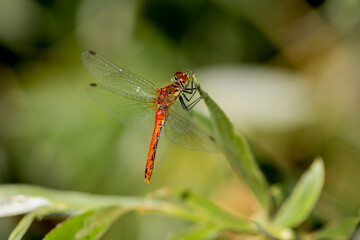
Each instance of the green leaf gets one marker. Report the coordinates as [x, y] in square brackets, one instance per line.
[94, 222]
[88, 225]
[65, 200]
[339, 230]
[274, 232]
[238, 153]
[62, 201]
[22, 226]
[303, 198]
[198, 232]
[20, 204]
[213, 215]
[69, 201]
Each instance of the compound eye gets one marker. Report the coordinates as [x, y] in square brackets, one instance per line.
[178, 74]
[183, 77]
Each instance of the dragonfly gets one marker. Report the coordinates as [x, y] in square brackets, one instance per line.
[137, 102]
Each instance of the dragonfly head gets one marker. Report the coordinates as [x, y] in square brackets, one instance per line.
[182, 78]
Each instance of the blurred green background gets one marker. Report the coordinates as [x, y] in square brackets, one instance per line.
[287, 74]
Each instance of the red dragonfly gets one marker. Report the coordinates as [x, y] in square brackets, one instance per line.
[135, 102]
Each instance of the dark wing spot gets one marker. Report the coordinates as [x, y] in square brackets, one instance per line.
[92, 52]
[212, 139]
[93, 84]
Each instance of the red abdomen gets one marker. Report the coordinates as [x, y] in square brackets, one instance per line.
[160, 119]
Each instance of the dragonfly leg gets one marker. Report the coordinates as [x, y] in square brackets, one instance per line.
[189, 106]
[188, 99]
[191, 90]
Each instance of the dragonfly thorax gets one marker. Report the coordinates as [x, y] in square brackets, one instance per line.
[168, 94]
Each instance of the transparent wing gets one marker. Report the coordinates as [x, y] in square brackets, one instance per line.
[120, 80]
[131, 111]
[124, 95]
[183, 132]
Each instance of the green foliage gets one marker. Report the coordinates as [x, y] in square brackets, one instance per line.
[340, 230]
[197, 232]
[91, 224]
[92, 215]
[97, 213]
[303, 198]
[22, 226]
[238, 153]
[220, 219]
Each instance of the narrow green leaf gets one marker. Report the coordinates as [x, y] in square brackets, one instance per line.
[22, 226]
[213, 214]
[196, 209]
[303, 198]
[339, 230]
[20, 204]
[89, 225]
[275, 232]
[65, 200]
[203, 232]
[238, 153]
[60, 201]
